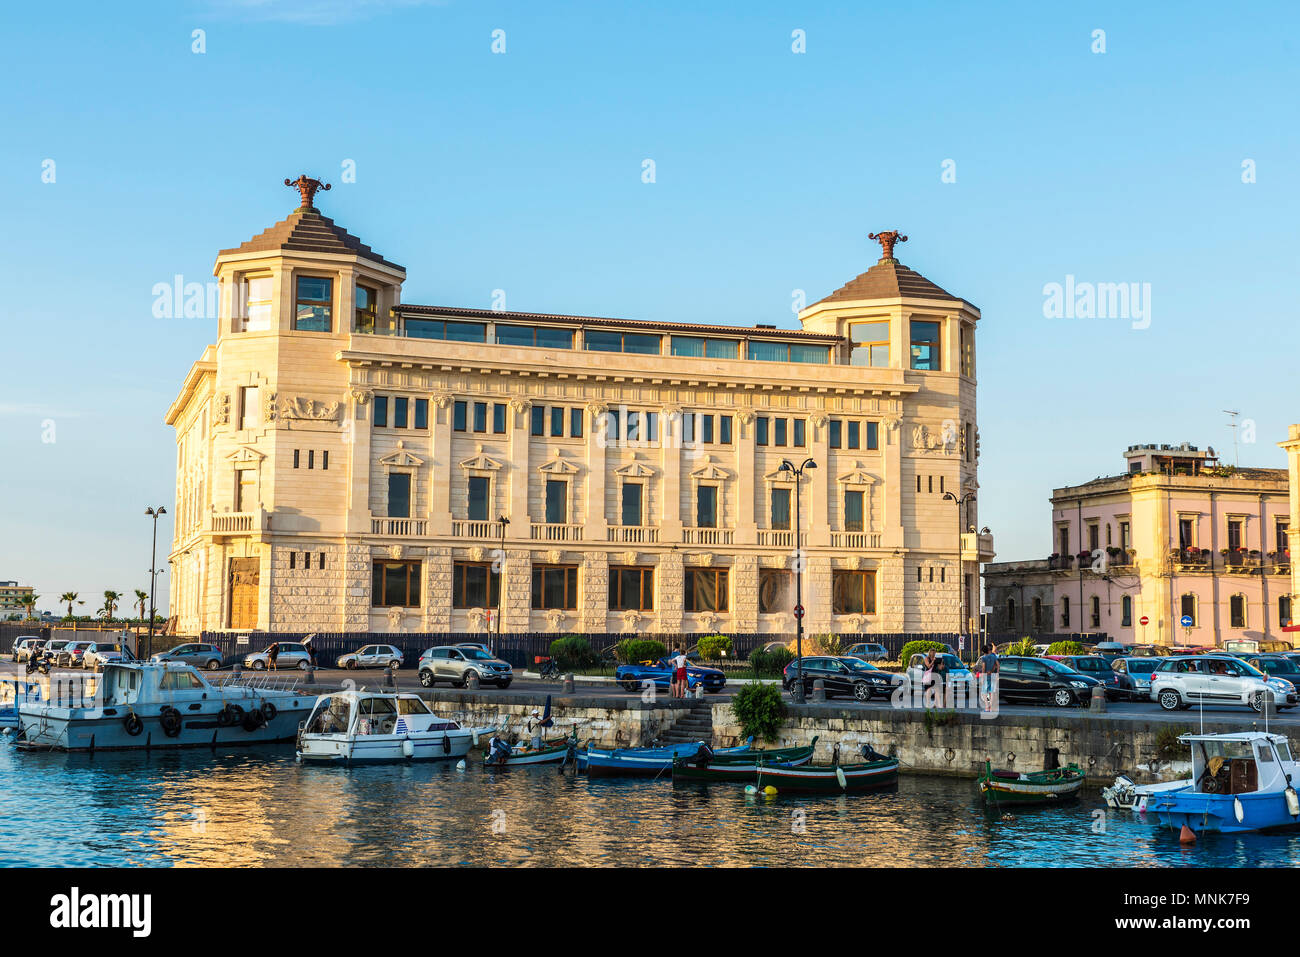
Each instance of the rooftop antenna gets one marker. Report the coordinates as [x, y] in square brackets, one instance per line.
[1232, 424]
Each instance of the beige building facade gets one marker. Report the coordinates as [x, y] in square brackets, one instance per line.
[345, 460]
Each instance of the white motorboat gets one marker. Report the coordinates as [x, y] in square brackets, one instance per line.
[12, 692]
[140, 704]
[1127, 795]
[347, 726]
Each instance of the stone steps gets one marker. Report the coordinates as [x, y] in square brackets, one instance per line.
[694, 725]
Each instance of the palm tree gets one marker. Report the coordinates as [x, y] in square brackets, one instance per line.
[69, 597]
[29, 601]
[140, 598]
[111, 598]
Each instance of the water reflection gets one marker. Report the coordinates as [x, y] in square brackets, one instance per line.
[257, 808]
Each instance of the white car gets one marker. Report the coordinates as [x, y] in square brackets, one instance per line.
[22, 649]
[372, 656]
[1183, 680]
[292, 654]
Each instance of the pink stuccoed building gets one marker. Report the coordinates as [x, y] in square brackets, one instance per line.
[1176, 537]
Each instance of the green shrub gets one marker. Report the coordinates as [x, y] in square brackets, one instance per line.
[633, 650]
[918, 648]
[1169, 748]
[1024, 648]
[573, 651]
[1066, 648]
[770, 663]
[712, 647]
[760, 709]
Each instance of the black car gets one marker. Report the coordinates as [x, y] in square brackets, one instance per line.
[1043, 681]
[1099, 667]
[1276, 666]
[842, 676]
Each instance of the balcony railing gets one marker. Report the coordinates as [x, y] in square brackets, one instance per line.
[546, 532]
[634, 534]
[779, 538]
[855, 539]
[400, 527]
[464, 528]
[236, 523]
[708, 536]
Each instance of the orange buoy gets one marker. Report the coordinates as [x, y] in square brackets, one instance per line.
[1186, 835]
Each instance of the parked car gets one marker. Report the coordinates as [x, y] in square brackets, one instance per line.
[101, 653]
[374, 656]
[1099, 667]
[660, 672]
[1111, 649]
[1276, 666]
[957, 671]
[868, 651]
[841, 675]
[23, 646]
[1043, 681]
[1180, 682]
[457, 664]
[293, 654]
[1135, 676]
[72, 654]
[200, 655]
[52, 648]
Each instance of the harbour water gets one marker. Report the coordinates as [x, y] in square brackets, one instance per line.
[257, 807]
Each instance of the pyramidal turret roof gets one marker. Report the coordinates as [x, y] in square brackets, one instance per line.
[888, 278]
[306, 230]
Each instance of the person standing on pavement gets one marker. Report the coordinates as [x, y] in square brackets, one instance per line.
[988, 669]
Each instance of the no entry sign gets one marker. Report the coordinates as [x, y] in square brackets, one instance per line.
[1144, 620]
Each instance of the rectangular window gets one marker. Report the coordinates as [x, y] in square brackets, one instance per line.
[1063, 539]
[765, 351]
[651, 426]
[781, 509]
[836, 438]
[396, 585]
[555, 586]
[1187, 606]
[632, 433]
[1092, 536]
[780, 428]
[1234, 533]
[539, 420]
[1124, 540]
[688, 427]
[853, 592]
[295, 458]
[322, 560]
[773, 591]
[968, 351]
[381, 411]
[575, 423]
[480, 416]
[257, 300]
[1237, 611]
[1284, 610]
[631, 589]
[498, 418]
[479, 497]
[724, 429]
[870, 344]
[250, 404]
[1279, 536]
[421, 413]
[600, 340]
[293, 560]
[459, 416]
[557, 421]
[1065, 610]
[632, 495]
[800, 437]
[325, 460]
[543, 337]
[855, 435]
[700, 348]
[760, 430]
[474, 585]
[311, 458]
[1095, 611]
[399, 494]
[312, 312]
[925, 346]
[1125, 611]
[367, 304]
[706, 589]
[853, 511]
[612, 424]
[557, 502]
[449, 331]
[400, 404]
[706, 507]
[706, 429]
[873, 435]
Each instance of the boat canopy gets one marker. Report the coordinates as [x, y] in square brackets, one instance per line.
[1239, 763]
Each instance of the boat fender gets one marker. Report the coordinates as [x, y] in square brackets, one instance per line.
[1186, 835]
[408, 748]
[234, 714]
[252, 721]
[446, 744]
[460, 765]
[839, 776]
[1292, 802]
[170, 719]
[268, 711]
[133, 724]
[474, 737]
[1237, 810]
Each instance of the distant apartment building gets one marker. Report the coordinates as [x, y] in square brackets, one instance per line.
[1177, 537]
[13, 596]
[350, 461]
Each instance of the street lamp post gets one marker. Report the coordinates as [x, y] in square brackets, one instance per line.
[961, 581]
[797, 475]
[155, 514]
[496, 650]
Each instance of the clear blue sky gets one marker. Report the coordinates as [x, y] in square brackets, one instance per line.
[522, 172]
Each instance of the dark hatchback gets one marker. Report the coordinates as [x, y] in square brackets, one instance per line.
[844, 675]
[1099, 667]
[1276, 666]
[1043, 681]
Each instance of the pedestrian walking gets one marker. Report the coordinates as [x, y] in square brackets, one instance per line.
[988, 669]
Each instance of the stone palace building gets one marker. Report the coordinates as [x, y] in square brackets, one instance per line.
[351, 462]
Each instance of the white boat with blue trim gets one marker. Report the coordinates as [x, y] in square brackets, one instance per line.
[368, 726]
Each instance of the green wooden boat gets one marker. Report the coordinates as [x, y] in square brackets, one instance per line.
[755, 756]
[834, 779]
[1034, 787]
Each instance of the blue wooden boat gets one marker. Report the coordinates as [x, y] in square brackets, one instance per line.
[617, 761]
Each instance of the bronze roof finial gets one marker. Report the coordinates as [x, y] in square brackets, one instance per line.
[307, 189]
[886, 240]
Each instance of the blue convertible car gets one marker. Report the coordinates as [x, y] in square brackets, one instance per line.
[631, 677]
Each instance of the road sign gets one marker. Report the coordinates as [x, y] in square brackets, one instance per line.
[1144, 621]
[798, 611]
[1186, 621]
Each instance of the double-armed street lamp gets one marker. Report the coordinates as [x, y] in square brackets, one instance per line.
[797, 475]
[155, 514]
[961, 579]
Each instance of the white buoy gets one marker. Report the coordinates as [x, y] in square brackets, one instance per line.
[408, 748]
[1238, 810]
[839, 776]
[460, 765]
[750, 789]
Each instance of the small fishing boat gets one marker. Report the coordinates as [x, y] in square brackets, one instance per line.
[832, 778]
[599, 762]
[554, 751]
[1240, 782]
[709, 765]
[1001, 787]
[1127, 795]
[12, 692]
[368, 726]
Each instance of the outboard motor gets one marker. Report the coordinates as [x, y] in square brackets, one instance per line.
[703, 755]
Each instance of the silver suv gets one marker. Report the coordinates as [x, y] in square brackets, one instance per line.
[457, 664]
[1183, 680]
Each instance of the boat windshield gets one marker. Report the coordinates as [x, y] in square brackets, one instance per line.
[330, 716]
[1283, 750]
[411, 704]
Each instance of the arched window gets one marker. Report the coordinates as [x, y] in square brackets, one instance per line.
[1126, 611]
[1237, 611]
[1011, 614]
[1187, 606]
